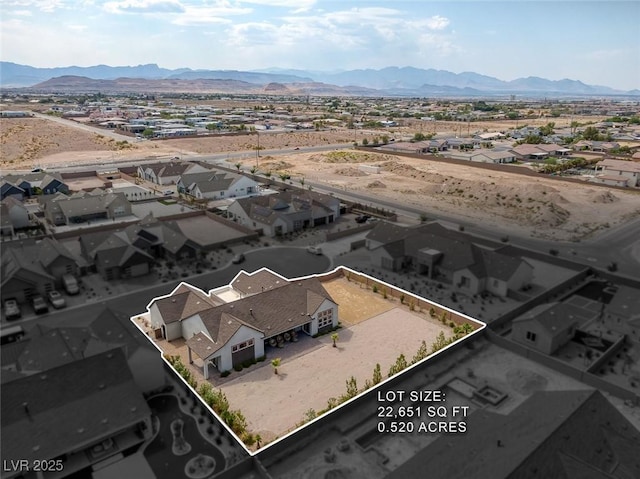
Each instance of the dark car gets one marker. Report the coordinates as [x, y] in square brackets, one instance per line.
[39, 305]
[362, 219]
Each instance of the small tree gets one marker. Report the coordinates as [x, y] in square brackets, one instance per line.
[334, 338]
[276, 364]
[238, 166]
[258, 439]
[377, 374]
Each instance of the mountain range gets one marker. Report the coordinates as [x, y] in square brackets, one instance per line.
[392, 81]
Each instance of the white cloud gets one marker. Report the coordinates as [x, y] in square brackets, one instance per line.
[206, 15]
[77, 28]
[22, 13]
[144, 6]
[437, 22]
[298, 4]
[46, 6]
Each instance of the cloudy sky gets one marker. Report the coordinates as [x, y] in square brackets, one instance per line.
[597, 42]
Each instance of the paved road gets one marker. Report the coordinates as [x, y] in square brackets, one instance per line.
[620, 244]
[289, 262]
[84, 127]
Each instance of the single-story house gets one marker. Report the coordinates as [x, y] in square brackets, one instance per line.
[81, 207]
[228, 327]
[168, 173]
[493, 156]
[34, 183]
[35, 268]
[285, 212]
[628, 170]
[450, 256]
[161, 239]
[13, 215]
[114, 256]
[82, 413]
[547, 327]
[216, 184]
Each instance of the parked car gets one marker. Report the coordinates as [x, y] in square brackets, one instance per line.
[168, 192]
[314, 249]
[70, 284]
[12, 309]
[39, 305]
[237, 259]
[56, 299]
[362, 219]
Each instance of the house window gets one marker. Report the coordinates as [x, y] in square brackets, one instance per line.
[531, 336]
[325, 318]
[465, 282]
[242, 345]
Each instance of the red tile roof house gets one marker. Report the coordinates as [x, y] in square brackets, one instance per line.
[232, 324]
[627, 173]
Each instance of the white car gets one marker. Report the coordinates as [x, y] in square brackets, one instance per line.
[314, 249]
[56, 299]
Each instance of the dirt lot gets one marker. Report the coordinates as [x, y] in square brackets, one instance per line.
[508, 202]
[355, 306]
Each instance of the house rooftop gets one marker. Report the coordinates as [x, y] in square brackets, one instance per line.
[85, 401]
[506, 446]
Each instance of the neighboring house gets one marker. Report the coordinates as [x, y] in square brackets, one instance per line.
[83, 413]
[35, 268]
[161, 239]
[625, 305]
[228, 327]
[592, 145]
[627, 171]
[578, 434]
[42, 182]
[548, 327]
[404, 146]
[84, 207]
[285, 212]
[492, 156]
[531, 152]
[114, 256]
[216, 184]
[9, 190]
[463, 143]
[437, 252]
[167, 173]
[13, 216]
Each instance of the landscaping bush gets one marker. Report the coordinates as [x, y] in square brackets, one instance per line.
[238, 367]
[261, 358]
[224, 374]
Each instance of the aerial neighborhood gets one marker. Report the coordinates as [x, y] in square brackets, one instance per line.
[227, 255]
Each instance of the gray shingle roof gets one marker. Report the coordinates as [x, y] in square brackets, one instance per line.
[85, 401]
[257, 282]
[274, 311]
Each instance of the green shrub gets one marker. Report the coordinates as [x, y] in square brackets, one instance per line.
[238, 367]
[224, 374]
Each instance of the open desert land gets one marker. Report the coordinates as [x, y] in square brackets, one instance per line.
[522, 205]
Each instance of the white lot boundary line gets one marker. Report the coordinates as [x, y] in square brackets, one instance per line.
[456, 344]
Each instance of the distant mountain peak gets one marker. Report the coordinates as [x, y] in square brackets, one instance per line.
[391, 80]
